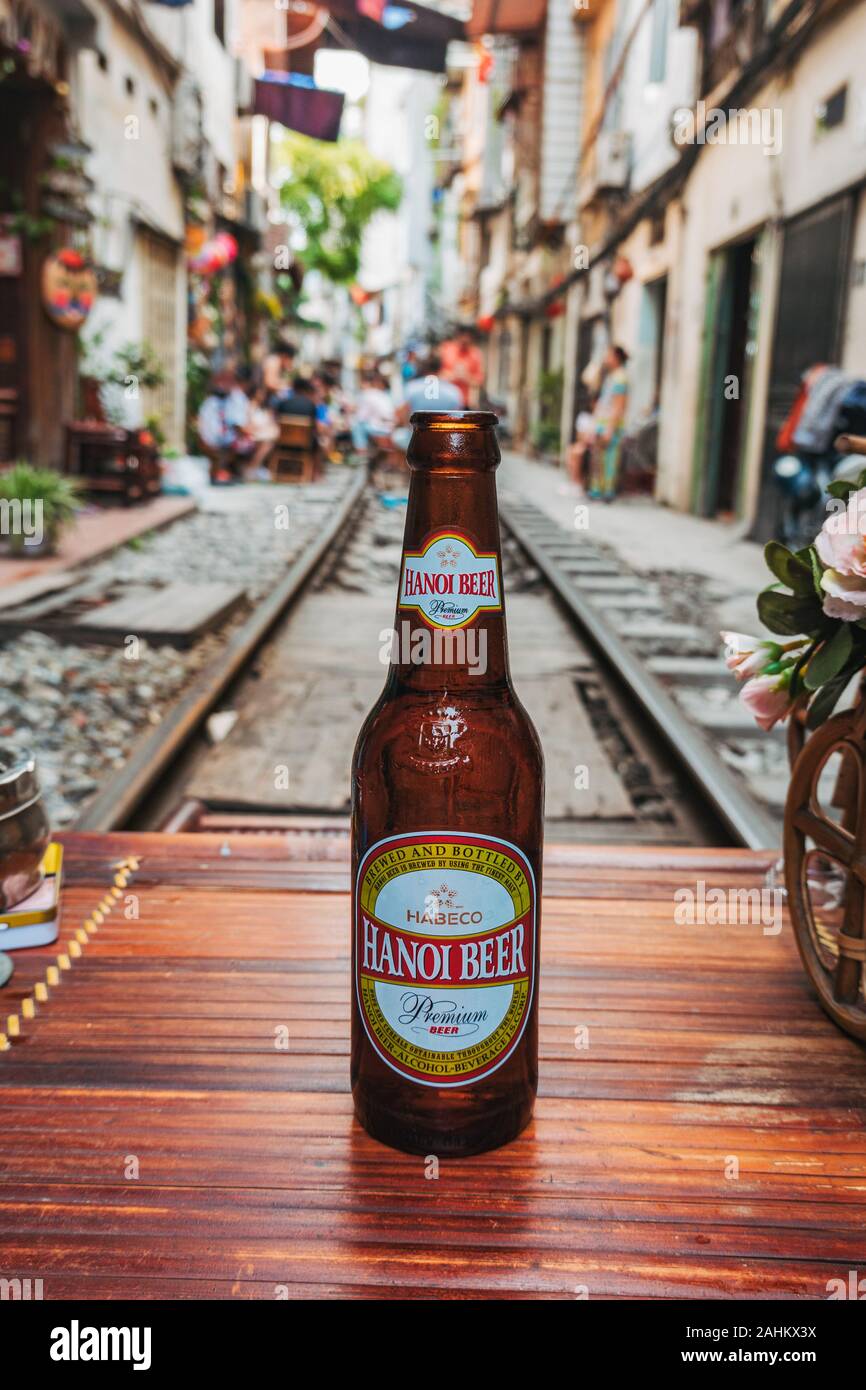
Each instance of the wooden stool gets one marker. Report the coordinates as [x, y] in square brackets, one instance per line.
[295, 452]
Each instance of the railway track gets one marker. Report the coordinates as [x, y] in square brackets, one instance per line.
[603, 701]
[654, 659]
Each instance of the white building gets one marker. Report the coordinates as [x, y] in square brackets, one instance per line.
[156, 101]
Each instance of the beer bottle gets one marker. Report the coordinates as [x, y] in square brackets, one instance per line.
[447, 822]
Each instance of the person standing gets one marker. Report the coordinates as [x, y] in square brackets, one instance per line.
[609, 420]
[463, 364]
[427, 391]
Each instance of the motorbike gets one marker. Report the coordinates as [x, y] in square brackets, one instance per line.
[803, 477]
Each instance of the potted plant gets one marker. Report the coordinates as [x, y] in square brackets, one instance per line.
[35, 505]
[107, 383]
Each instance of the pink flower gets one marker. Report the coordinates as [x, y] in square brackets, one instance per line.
[748, 656]
[767, 698]
[841, 547]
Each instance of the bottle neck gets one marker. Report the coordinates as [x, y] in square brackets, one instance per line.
[449, 629]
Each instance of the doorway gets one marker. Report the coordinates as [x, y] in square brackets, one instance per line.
[813, 280]
[730, 330]
[160, 266]
[646, 366]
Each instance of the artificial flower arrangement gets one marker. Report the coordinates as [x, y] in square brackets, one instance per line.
[818, 603]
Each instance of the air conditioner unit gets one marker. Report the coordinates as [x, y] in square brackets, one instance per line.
[612, 159]
[255, 210]
[244, 88]
[610, 168]
[187, 127]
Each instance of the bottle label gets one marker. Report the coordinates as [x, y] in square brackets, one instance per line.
[449, 582]
[445, 927]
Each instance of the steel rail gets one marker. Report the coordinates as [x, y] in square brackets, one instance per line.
[112, 807]
[748, 822]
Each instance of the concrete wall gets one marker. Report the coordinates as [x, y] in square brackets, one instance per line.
[189, 34]
[130, 134]
[739, 190]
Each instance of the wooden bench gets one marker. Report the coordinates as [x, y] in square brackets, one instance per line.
[699, 1129]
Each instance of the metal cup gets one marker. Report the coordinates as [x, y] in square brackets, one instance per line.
[24, 829]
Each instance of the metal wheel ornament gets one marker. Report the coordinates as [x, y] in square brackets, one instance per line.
[832, 943]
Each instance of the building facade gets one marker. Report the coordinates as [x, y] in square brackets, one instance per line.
[126, 151]
[715, 228]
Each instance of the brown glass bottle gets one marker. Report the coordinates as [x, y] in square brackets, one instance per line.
[447, 806]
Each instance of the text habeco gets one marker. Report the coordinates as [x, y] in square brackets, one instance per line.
[390, 954]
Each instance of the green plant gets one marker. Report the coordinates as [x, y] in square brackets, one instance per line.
[198, 373]
[550, 386]
[818, 603]
[330, 193]
[136, 361]
[153, 424]
[43, 494]
[127, 370]
[546, 437]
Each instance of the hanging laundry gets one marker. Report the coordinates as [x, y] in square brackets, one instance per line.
[294, 101]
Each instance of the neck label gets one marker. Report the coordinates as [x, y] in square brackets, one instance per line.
[449, 582]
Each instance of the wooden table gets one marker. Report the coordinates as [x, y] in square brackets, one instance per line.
[158, 1142]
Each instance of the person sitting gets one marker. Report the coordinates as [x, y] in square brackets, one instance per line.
[374, 415]
[223, 427]
[277, 373]
[263, 429]
[300, 400]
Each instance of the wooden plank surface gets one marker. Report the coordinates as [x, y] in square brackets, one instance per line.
[176, 613]
[707, 1057]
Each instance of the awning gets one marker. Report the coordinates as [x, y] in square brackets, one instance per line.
[505, 17]
[409, 35]
[295, 101]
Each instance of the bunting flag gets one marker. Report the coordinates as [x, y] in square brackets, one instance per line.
[295, 101]
[372, 9]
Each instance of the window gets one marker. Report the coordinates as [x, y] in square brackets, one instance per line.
[661, 22]
[129, 86]
[219, 20]
[153, 106]
[102, 60]
[831, 113]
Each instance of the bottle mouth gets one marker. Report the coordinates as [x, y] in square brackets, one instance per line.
[453, 419]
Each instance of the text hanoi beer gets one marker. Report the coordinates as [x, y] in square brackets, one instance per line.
[447, 801]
